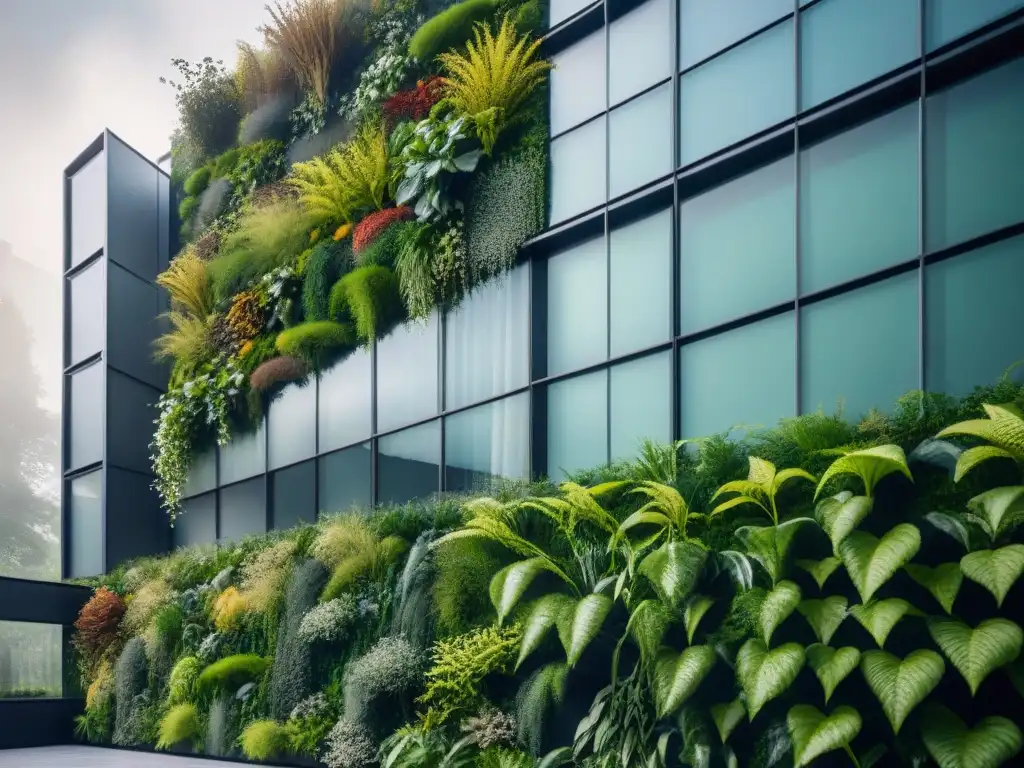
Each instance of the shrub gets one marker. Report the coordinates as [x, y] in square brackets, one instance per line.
[342, 537]
[529, 18]
[228, 609]
[414, 104]
[330, 621]
[231, 672]
[209, 107]
[186, 208]
[264, 740]
[207, 245]
[212, 203]
[268, 121]
[350, 745]
[225, 163]
[182, 683]
[188, 284]
[375, 224]
[276, 372]
[181, 723]
[259, 164]
[309, 724]
[265, 574]
[449, 29]
[392, 668]
[371, 560]
[198, 181]
[383, 250]
[246, 318]
[220, 727]
[371, 297]
[418, 248]
[316, 343]
[144, 604]
[97, 624]
[101, 689]
[327, 262]
[130, 681]
[491, 728]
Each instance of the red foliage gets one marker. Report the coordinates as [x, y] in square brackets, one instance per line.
[98, 622]
[373, 225]
[414, 104]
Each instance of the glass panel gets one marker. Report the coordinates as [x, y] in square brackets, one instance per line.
[407, 464]
[640, 49]
[198, 522]
[641, 404]
[974, 136]
[88, 327]
[487, 340]
[844, 43]
[742, 228]
[202, 475]
[641, 276]
[244, 456]
[407, 374]
[85, 527]
[345, 479]
[740, 379]
[578, 171]
[294, 496]
[563, 9]
[973, 314]
[133, 319]
[577, 424]
[243, 509]
[860, 349]
[487, 443]
[706, 28]
[86, 425]
[345, 393]
[734, 96]
[577, 83]
[292, 424]
[31, 658]
[88, 209]
[859, 201]
[641, 140]
[577, 307]
[946, 20]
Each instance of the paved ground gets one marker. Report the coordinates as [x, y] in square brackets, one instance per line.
[95, 757]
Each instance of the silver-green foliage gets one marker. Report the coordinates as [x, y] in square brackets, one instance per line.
[393, 667]
[131, 680]
[330, 621]
[350, 745]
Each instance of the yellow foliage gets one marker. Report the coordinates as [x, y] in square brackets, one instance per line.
[144, 604]
[342, 232]
[341, 538]
[228, 609]
[265, 575]
[102, 685]
[188, 284]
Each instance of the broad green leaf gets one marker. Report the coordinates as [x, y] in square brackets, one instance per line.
[814, 733]
[1002, 509]
[871, 562]
[977, 652]
[647, 626]
[673, 569]
[727, 717]
[542, 615]
[786, 475]
[820, 570]
[765, 674]
[879, 616]
[824, 616]
[832, 665]
[777, 607]
[737, 565]
[643, 517]
[556, 758]
[588, 617]
[677, 675]
[900, 685]
[996, 570]
[869, 464]
[761, 471]
[952, 526]
[770, 544]
[696, 607]
[840, 519]
[972, 457]
[942, 581]
[510, 583]
[737, 501]
[994, 741]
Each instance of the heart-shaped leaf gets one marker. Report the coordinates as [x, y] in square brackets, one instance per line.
[587, 619]
[677, 675]
[820, 570]
[879, 616]
[1002, 509]
[977, 652]
[942, 581]
[951, 525]
[995, 569]
[765, 674]
[542, 615]
[814, 733]
[510, 583]
[673, 569]
[991, 743]
[777, 607]
[870, 465]
[900, 685]
[871, 562]
[696, 607]
[832, 665]
[727, 717]
[770, 544]
[824, 616]
[840, 518]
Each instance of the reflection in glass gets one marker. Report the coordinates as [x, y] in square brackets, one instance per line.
[578, 171]
[487, 443]
[560, 10]
[345, 391]
[31, 659]
[407, 374]
[577, 307]
[641, 276]
[198, 522]
[706, 28]
[641, 392]
[345, 479]
[88, 209]
[85, 526]
[244, 455]
[294, 499]
[292, 424]
[640, 141]
[577, 83]
[202, 475]
[86, 424]
[577, 424]
[88, 326]
[640, 50]
[243, 509]
[407, 464]
[946, 20]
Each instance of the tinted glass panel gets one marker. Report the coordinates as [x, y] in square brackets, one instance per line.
[577, 307]
[407, 374]
[133, 320]
[407, 463]
[577, 424]
[706, 28]
[860, 349]
[641, 141]
[844, 43]
[946, 20]
[641, 277]
[345, 479]
[641, 402]
[345, 401]
[86, 425]
[578, 171]
[292, 424]
[131, 408]
[85, 533]
[640, 49]
[134, 214]
[198, 522]
[972, 303]
[202, 475]
[244, 455]
[740, 379]
[88, 327]
[243, 509]
[734, 96]
[31, 657]
[88, 209]
[974, 135]
[859, 201]
[294, 496]
[563, 9]
[737, 247]
[577, 83]
[487, 443]
[486, 340]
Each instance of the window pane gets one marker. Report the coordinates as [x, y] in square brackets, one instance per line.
[858, 201]
[487, 340]
[88, 209]
[744, 91]
[973, 138]
[198, 522]
[345, 401]
[640, 49]
[641, 140]
[487, 443]
[202, 474]
[742, 228]
[292, 424]
[345, 479]
[740, 379]
[407, 374]
[973, 315]
[860, 349]
[577, 307]
[563, 9]
[294, 496]
[641, 276]
[243, 510]
[641, 404]
[577, 424]
[88, 327]
[407, 464]
[946, 20]
[244, 455]
[844, 43]
[85, 528]
[87, 410]
[706, 28]
[577, 83]
[31, 658]
[578, 171]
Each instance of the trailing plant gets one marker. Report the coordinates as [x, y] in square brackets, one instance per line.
[350, 745]
[330, 621]
[291, 677]
[392, 669]
[450, 29]
[316, 343]
[131, 680]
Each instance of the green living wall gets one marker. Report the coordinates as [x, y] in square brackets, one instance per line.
[822, 593]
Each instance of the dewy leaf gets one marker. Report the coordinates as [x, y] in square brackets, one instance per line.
[587, 620]
[869, 464]
[991, 743]
[543, 615]
[879, 616]
[942, 581]
[820, 570]
[777, 607]
[872, 562]
[696, 607]
[839, 520]
[832, 665]
[510, 583]
[673, 569]
[677, 676]
[765, 674]
[976, 653]
[1002, 509]
[727, 717]
[900, 685]
[996, 570]
[824, 616]
[815, 734]
[770, 544]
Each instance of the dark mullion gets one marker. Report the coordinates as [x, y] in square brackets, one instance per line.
[734, 45]
[316, 453]
[675, 387]
[921, 193]
[607, 234]
[441, 333]
[374, 442]
[797, 94]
